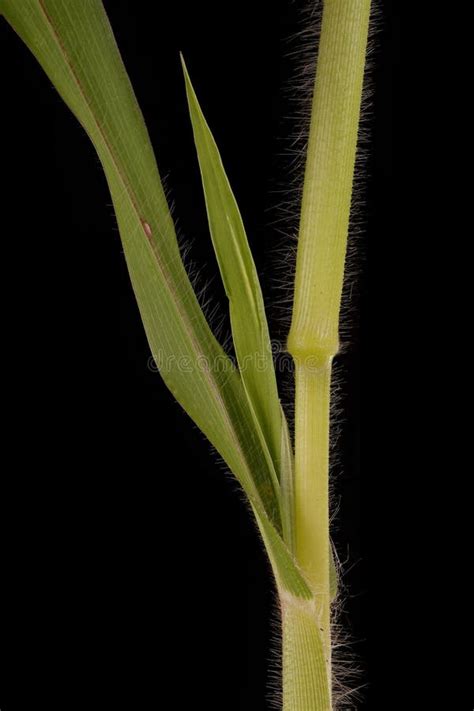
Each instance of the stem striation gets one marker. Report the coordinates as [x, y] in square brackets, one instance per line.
[314, 335]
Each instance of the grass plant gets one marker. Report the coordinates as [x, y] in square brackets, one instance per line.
[237, 406]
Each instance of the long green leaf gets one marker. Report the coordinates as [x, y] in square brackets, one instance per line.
[247, 312]
[74, 44]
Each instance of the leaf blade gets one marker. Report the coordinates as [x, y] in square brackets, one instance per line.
[75, 45]
[247, 312]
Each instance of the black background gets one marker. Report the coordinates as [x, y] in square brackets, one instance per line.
[128, 556]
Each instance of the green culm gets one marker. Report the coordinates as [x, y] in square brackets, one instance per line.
[236, 406]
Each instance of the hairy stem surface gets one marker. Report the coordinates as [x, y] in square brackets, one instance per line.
[314, 336]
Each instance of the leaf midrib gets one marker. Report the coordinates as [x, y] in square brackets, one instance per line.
[213, 386]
